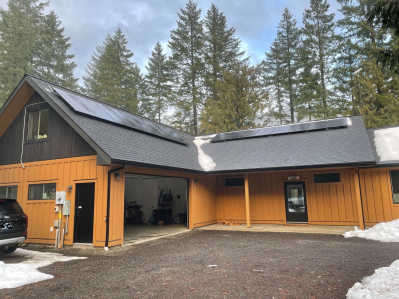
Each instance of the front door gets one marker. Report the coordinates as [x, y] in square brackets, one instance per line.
[84, 213]
[295, 202]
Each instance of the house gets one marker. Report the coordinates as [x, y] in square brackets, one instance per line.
[118, 169]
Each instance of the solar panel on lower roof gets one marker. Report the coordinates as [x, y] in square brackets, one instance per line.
[265, 132]
[105, 112]
[296, 128]
[234, 135]
[337, 123]
[317, 125]
[281, 130]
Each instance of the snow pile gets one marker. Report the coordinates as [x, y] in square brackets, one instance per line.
[16, 275]
[204, 160]
[387, 144]
[384, 232]
[383, 284]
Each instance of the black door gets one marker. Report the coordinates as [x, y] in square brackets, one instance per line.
[295, 202]
[84, 213]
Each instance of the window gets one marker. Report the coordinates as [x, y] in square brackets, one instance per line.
[327, 178]
[230, 182]
[38, 125]
[8, 192]
[42, 191]
[395, 185]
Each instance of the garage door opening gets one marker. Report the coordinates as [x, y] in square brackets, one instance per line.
[155, 206]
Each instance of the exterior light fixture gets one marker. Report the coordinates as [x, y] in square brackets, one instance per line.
[117, 175]
[69, 188]
[196, 182]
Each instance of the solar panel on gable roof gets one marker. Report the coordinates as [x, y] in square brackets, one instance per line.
[265, 131]
[281, 130]
[117, 116]
[317, 125]
[337, 123]
[296, 128]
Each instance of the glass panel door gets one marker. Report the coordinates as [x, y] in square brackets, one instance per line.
[295, 202]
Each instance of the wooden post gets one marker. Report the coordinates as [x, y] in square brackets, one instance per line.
[358, 198]
[247, 208]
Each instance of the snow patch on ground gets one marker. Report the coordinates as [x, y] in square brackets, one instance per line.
[387, 144]
[16, 275]
[383, 284]
[384, 232]
[204, 160]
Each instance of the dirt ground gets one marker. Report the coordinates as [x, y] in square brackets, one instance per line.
[249, 264]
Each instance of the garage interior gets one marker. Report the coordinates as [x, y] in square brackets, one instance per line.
[155, 206]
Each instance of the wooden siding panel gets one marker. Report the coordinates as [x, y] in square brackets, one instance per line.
[64, 141]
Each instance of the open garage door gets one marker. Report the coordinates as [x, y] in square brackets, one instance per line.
[154, 206]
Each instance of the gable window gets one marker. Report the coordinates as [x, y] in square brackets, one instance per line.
[395, 185]
[327, 178]
[9, 192]
[231, 182]
[42, 191]
[38, 125]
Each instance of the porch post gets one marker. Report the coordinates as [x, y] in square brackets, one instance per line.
[247, 201]
[358, 194]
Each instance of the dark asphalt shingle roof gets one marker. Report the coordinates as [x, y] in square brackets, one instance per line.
[347, 146]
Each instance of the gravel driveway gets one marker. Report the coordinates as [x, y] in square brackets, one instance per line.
[249, 264]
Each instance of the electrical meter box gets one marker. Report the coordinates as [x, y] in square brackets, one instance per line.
[66, 209]
[60, 197]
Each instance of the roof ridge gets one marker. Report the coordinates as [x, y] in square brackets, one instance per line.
[94, 99]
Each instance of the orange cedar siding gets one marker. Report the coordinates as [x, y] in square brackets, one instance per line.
[377, 196]
[332, 204]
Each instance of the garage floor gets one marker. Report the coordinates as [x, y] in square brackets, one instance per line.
[134, 234]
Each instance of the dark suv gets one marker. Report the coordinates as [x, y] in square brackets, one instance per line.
[13, 225]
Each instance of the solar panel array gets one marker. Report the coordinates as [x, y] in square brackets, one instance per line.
[118, 116]
[284, 129]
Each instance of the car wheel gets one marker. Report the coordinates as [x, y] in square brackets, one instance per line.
[8, 249]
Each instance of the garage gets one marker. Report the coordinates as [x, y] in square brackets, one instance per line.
[155, 206]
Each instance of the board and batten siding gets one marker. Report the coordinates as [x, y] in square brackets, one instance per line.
[63, 172]
[63, 141]
[376, 189]
[327, 203]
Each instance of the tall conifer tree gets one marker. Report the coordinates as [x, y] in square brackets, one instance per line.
[54, 63]
[288, 37]
[221, 50]
[321, 40]
[273, 81]
[20, 27]
[241, 101]
[186, 44]
[112, 76]
[158, 81]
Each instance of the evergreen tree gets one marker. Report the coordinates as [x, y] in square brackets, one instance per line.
[272, 79]
[240, 103]
[158, 80]
[186, 44]
[111, 75]
[288, 37]
[320, 40]
[221, 49]
[54, 64]
[20, 27]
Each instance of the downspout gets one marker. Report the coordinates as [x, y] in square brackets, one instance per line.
[108, 203]
[361, 198]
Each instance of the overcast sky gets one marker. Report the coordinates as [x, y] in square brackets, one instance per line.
[144, 22]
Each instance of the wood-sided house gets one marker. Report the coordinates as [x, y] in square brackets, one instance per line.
[332, 172]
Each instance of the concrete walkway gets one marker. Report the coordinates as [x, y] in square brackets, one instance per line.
[279, 228]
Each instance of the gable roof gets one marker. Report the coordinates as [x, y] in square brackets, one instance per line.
[385, 144]
[116, 144]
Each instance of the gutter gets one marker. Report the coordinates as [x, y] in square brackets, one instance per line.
[361, 198]
[108, 203]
